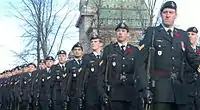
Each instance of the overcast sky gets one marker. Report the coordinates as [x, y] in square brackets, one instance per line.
[10, 28]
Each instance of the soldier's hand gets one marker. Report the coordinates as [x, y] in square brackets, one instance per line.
[105, 98]
[80, 102]
[147, 96]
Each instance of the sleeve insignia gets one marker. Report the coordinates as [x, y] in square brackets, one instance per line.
[101, 62]
[141, 47]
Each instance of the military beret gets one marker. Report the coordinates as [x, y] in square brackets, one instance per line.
[50, 58]
[192, 29]
[61, 52]
[24, 65]
[95, 37]
[169, 4]
[42, 61]
[18, 67]
[32, 64]
[77, 45]
[123, 26]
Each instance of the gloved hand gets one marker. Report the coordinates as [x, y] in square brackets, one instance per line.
[147, 96]
[105, 98]
[80, 103]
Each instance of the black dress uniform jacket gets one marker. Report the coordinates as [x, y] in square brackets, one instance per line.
[170, 53]
[120, 68]
[88, 81]
[73, 71]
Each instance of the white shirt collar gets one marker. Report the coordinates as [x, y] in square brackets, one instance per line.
[120, 44]
[166, 29]
[95, 53]
[62, 64]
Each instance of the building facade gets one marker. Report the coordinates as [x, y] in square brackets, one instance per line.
[100, 17]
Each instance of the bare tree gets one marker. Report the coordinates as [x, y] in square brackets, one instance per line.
[151, 15]
[45, 23]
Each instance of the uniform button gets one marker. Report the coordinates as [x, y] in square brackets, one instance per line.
[123, 58]
[172, 48]
[173, 58]
[123, 65]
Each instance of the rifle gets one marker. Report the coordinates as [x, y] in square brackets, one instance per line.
[67, 89]
[81, 98]
[20, 92]
[37, 92]
[151, 83]
[106, 80]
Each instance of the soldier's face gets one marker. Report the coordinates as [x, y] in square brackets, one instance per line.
[193, 37]
[168, 16]
[25, 69]
[122, 35]
[95, 44]
[78, 52]
[62, 58]
[20, 71]
[31, 68]
[49, 63]
[42, 65]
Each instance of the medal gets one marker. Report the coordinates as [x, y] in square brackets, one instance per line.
[48, 77]
[114, 63]
[159, 53]
[74, 75]
[92, 69]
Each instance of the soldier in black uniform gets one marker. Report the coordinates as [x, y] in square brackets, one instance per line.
[170, 48]
[57, 72]
[26, 88]
[116, 78]
[90, 75]
[41, 85]
[191, 75]
[42, 64]
[73, 69]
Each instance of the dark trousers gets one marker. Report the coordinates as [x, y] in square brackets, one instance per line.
[58, 105]
[123, 105]
[91, 106]
[73, 104]
[170, 106]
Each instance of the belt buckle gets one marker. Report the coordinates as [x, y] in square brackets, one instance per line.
[173, 75]
[123, 77]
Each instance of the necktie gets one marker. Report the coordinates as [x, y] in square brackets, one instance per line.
[123, 48]
[79, 61]
[98, 56]
[63, 67]
[169, 32]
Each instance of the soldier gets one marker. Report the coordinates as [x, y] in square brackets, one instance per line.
[90, 75]
[192, 34]
[57, 72]
[116, 77]
[49, 63]
[72, 68]
[43, 86]
[42, 64]
[31, 67]
[160, 61]
[191, 76]
[26, 88]
[25, 68]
